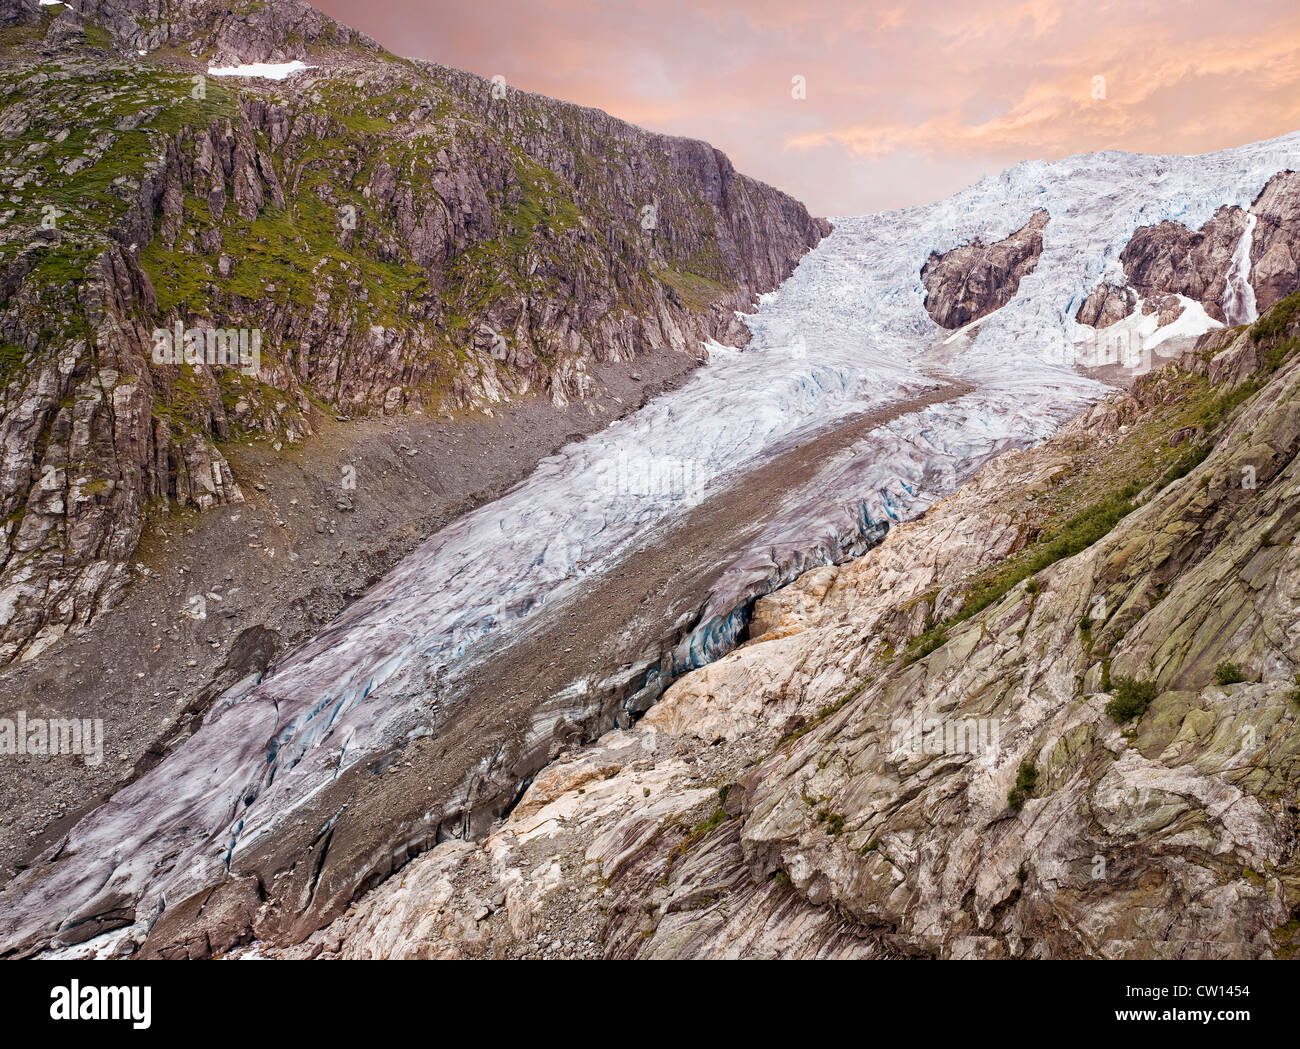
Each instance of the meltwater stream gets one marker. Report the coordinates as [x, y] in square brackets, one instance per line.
[845, 334]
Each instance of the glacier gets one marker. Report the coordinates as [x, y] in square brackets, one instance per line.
[845, 334]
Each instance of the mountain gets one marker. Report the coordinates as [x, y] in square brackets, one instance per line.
[389, 236]
[949, 616]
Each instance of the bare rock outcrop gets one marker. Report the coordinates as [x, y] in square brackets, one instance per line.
[973, 280]
[1275, 245]
[263, 32]
[1107, 304]
[1206, 265]
[1170, 259]
[19, 12]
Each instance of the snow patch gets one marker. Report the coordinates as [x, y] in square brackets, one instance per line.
[1129, 342]
[263, 70]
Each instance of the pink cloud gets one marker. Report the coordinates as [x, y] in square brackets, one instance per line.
[904, 102]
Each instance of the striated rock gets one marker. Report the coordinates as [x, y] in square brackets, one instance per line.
[1169, 309]
[1170, 259]
[1107, 304]
[19, 12]
[1177, 841]
[264, 32]
[1207, 265]
[1275, 245]
[973, 280]
[1184, 434]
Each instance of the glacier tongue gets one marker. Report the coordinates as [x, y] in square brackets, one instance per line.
[846, 333]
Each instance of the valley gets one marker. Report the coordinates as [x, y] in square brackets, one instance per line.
[556, 583]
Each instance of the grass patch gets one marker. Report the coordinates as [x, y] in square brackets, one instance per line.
[1277, 320]
[716, 819]
[834, 821]
[1071, 537]
[697, 292]
[11, 358]
[828, 710]
[1026, 781]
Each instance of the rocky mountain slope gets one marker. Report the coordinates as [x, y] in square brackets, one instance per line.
[297, 783]
[401, 237]
[1054, 717]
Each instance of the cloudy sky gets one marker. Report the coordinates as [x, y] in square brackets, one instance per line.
[904, 102]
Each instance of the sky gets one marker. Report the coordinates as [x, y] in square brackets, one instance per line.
[902, 103]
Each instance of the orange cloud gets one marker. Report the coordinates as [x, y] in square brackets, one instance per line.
[904, 102]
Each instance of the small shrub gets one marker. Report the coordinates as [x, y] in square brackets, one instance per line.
[834, 822]
[1131, 699]
[1185, 464]
[1228, 674]
[1026, 781]
[923, 644]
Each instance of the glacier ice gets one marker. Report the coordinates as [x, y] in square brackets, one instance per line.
[846, 333]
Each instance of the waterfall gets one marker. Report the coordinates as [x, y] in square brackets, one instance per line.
[1239, 297]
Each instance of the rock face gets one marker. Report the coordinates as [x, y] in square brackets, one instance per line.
[397, 236]
[1275, 246]
[898, 789]
[19, 12]
[1208, 265]
[1170, 259]
[1107, 304]
[1169, 836]
[265, 32]
[975, 279]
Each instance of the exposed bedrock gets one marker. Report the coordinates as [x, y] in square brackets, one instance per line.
[973, 280]
[1238, 264]
[1170, 259]
[1275, 244]
[449, 765]
[1107, 304]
